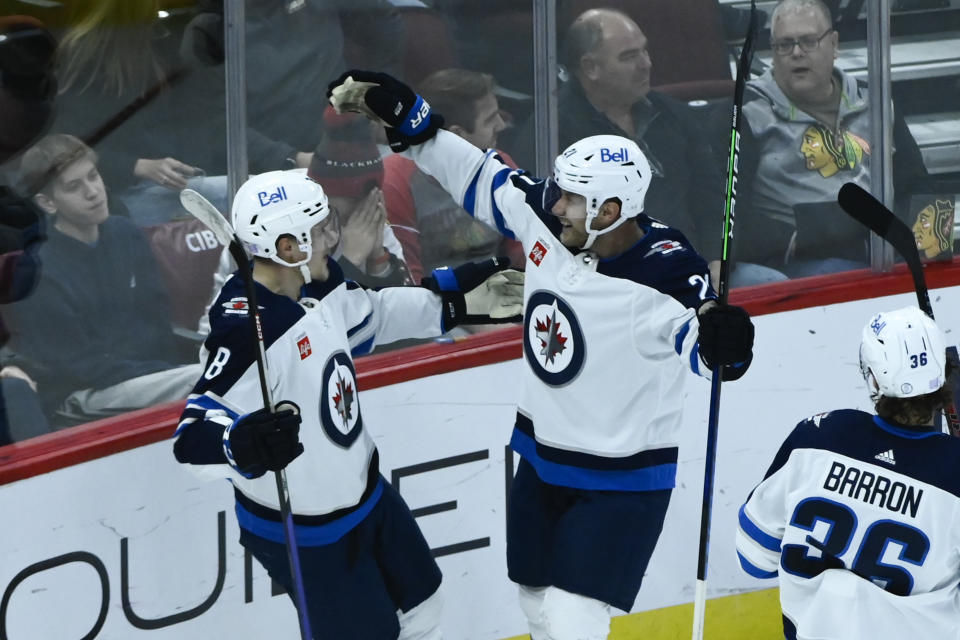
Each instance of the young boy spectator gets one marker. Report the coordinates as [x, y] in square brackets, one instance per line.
[97, 327]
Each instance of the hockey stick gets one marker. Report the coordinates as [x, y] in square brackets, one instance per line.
[729, 210]
[201, 209]
[871, 213]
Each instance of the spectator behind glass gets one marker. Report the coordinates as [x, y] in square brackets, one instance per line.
[806, 131]
[27, 89]
[121, 84]
[608, 92]
[433, 229]
[293, 49]
[97, 327]
[347, 165]
[21, 235]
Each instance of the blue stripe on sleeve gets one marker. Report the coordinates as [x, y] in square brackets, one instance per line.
[678, 343]
[498, 180]
[364, 347]
[360, 325]
[197, 408]
[764, 539]
[695, 359]
[753, 570]
[470, 197]
[206, 403]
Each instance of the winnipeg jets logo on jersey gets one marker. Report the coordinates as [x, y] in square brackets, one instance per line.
[553, 341]
[339, 406]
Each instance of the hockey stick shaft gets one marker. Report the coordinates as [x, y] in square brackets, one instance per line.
[202, 209]
[729, 211]
[875, 216]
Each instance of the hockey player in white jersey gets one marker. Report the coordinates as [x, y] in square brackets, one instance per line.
[610, 325]
[859, 514]
[367, 571]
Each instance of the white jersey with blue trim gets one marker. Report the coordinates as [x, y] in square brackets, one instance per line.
[600, 405]
[861, 521]
[310, 344]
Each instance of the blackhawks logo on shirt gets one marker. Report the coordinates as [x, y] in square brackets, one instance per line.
[553, 341]
[829, 152]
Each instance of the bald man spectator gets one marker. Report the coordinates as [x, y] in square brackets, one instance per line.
[608, 92]
[806, 131]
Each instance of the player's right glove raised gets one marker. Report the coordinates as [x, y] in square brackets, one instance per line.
[382, 98]
[263, 441]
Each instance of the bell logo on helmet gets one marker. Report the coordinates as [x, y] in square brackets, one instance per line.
[606, 155]
[269, 198]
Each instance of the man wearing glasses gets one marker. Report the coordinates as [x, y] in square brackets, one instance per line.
[789, 220]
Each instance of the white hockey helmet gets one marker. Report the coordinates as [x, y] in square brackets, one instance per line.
[902, 354]
[600, 168]
[278, 203]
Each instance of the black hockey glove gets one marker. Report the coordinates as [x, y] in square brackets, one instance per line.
[726, 338]
[262, 441]
[487, 292]
[407, 116]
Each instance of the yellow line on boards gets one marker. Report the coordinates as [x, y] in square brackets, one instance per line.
[744, 616]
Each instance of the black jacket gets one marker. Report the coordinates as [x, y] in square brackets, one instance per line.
[98, 316]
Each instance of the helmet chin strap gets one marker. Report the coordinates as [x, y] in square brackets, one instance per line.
[305, 272]
[593, 233]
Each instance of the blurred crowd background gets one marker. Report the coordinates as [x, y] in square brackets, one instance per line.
[108, 108]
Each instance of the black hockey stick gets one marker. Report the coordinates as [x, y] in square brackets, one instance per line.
[871, 213]
[201, 208]
[729, 210]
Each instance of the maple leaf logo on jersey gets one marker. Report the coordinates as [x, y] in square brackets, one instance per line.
[552, 343]
[344, 399]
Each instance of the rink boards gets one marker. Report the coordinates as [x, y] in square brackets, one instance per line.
[106, 536]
